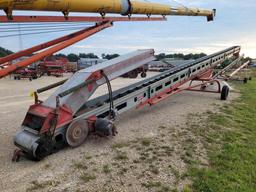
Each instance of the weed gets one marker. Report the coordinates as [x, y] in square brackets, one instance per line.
[162, 127]
[123, 171]
[120, 145]
[106, 169]
[151, 184]
[146, 142]
[121, 156]
[186, 189]
[136, 161]
[42, 185]
[80, 165]
[153, 169]
[47, 166]
[85, 177]
[87, 157]
[175, 172]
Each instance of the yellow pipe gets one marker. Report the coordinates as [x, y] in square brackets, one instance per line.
[124, 7]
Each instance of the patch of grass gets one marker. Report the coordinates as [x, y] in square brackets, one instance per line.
[120, 145]
[123, 171]
[136, 161]
[121, 156]
[80, 165]
[47, 166]
[106, 169]
[35, 185]
[146, 142]
[115, 164]
[86, 177]
[187, 189]
[167, 150]
[154, 169]
[156, 186]
[232, 160]
[87, 156]
[162, 127]
[152, 184]
[165, 189]
[175, 172]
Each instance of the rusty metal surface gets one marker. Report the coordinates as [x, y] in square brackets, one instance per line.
[77, 133]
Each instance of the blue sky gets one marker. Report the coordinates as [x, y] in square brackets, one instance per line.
[234, 25]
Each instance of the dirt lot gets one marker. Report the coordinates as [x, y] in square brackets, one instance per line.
[147, 155]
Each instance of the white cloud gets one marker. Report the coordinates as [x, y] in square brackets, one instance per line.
[233, 26]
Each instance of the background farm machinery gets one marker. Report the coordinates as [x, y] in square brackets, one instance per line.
[53, 66]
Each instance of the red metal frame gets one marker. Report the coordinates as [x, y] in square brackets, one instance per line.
[42, 46]
[205, 78]
[46, 113]
[64, 113]
[78, 37]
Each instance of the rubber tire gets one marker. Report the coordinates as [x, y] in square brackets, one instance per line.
[143, 75]
[34, 77]
[224, 93]
[80, 126]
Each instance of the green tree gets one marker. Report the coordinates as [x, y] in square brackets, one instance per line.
[61, 55]
[73, 57]
[109, 56]
[4, 52]
[162, 56]
[88, 55]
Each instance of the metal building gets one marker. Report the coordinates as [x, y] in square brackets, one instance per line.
[83, 63]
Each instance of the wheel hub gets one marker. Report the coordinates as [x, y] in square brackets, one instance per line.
[77, 132]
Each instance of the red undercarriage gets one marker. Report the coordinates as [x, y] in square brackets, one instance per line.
[204, 77]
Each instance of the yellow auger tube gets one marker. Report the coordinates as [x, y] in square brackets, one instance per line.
[123, 7]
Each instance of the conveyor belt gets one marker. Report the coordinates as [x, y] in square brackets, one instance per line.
[112, 68]
[33, 139]
[118, 94]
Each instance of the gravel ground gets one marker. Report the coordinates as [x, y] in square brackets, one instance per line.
[146, 155]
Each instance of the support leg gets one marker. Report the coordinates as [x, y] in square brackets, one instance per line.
[16, 155]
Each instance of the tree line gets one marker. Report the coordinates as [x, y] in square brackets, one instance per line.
[190, 56]
[75, 57]
[72, 57]
[4, 52]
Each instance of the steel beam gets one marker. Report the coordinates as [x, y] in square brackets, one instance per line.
[238, 69]
[28, 19]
